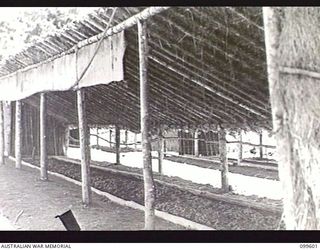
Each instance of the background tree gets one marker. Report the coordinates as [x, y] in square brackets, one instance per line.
[27, 25]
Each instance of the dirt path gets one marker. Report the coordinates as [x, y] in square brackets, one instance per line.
[21, 190]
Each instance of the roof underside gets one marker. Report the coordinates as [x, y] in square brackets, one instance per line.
[207, 65]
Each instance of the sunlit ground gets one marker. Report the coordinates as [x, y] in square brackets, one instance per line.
[5, 223]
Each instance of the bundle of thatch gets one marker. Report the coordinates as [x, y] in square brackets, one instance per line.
[298, 93]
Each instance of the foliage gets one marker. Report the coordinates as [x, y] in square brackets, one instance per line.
[29, 25]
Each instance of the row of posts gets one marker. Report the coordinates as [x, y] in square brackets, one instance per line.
[149, 188]
[85, 149]
[149, 192]
[17, 135]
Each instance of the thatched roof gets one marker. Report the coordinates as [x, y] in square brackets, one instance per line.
[206, 66]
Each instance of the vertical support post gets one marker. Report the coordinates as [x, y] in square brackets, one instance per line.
[196, 143]
[135, 141]
[97, 136]
[18, 139]
[149, 192]
[84, 147]
[240, 148]
[7, 128]
[126, 137]
[1, 133]
[260, 148]
[160, 151]
[43, 138]
[180, 141]
[110, 138]
[205, 133]
[66, 140]
[223, 160]
[117, 145]
[55, 141]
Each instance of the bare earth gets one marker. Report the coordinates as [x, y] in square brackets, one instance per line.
[21, 190]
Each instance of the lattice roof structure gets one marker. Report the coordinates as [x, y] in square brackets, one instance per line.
[207, 67]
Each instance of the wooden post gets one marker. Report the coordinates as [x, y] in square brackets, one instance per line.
[55, 142]
[260, 148]
[180, 142]
[66, 140]
[164, 146]
[43, 139]
[196, 143]
[183, 142]
[206, 143]
[160, 151]
[18, 139]
[7, 128]
[117, 144]
[135, 141]
[240, 148]
[84, 147]
[110, 138]
[223, 160]
[149, 192]
[1, 134]
[97, 136]
[126, 137]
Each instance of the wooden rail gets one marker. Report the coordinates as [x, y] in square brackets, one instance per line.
[186, 139]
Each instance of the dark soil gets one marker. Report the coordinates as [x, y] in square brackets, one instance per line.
[187, 184]
[217, 214]
[245, 170]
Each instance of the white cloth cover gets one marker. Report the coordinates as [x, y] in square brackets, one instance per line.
[61, 74]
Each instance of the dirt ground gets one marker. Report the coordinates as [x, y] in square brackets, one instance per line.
[211, 212]
[40, 202]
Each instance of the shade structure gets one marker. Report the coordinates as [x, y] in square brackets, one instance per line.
[206, 67]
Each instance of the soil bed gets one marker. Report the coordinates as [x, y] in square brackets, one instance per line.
[245, 170]
[217, 214]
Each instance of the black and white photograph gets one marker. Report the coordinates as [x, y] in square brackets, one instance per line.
[165, 118]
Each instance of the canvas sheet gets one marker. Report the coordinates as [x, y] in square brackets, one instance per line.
[61, 74]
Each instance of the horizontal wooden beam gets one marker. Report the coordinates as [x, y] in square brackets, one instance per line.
[296, 71]
[252, 144]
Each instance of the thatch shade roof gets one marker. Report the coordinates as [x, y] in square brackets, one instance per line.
[206, 66]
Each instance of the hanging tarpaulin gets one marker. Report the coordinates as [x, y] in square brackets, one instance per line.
[107, 65]
[61, 74]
